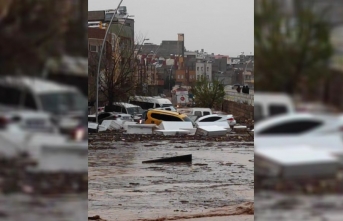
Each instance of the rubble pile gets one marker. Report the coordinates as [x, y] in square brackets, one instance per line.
[111, 136]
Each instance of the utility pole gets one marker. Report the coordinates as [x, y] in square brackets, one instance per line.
[100, 56]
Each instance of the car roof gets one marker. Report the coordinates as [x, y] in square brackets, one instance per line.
[37, 85]
[201, 109]
[126, 105]
[27, 113]
[167, 112]
[151, 99]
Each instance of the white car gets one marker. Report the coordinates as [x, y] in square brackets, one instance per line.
[300, 129]
[217, 118]
[30, 121]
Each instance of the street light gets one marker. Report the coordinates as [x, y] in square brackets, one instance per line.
[145, 39]
[98, 71]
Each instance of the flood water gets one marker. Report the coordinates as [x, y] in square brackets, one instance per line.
[272, 206]
[29, 208]
[122, 188]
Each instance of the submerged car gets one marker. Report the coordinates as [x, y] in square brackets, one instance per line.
[300, 129]
[157, 116]
[217, 118]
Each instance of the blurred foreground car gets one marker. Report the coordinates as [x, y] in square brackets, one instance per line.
[30, 121]
[217, 118]
[268, 105]
[300, 129]
[65, 104]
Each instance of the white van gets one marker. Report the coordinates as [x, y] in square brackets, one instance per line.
[66, 104]
[147, 103]
[271, 104]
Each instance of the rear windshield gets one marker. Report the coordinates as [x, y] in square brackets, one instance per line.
[166, 105]
[134, 110]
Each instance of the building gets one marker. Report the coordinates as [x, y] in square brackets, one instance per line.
[203, 65]
[119, 51]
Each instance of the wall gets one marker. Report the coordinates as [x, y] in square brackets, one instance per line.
[241, 112]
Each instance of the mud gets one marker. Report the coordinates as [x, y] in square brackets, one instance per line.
[112, 136]
[35, 196]
[16, 207]
[218, 183]
[272, 206]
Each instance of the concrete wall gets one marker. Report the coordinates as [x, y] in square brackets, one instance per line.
[241, 112]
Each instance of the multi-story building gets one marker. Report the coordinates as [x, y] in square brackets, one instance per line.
[203, 65]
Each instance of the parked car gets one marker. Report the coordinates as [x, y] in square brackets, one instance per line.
[80, 133]
[200, 112]
[110, 116]
[271, 104]
[147, 103]
[170, 108]
[125, 108]
[218, 118]
[66, 104]
[300, 129]
[29, 121]
[157, 116]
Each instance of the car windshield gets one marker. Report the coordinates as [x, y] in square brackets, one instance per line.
[64, 102]
[166, 105]
[135, 110]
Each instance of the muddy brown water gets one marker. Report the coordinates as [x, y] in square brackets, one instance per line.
[16, 207]
[122, 188]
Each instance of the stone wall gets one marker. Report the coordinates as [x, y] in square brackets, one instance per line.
[241, 112]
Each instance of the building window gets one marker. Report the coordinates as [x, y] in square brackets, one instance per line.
[197, 77]
[178, 76]
[202, 68]
[208, 77]
[93, 48]
[197, 68]
[181, 76]
[208, 68]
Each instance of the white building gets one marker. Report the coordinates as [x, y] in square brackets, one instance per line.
[203, 65]
[203, 68]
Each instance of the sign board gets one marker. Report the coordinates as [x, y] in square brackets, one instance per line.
[182, 99]
[179, 93]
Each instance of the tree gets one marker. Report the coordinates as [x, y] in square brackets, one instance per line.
[119, 68]
[31, 31]
[208, 93]
[290, 48]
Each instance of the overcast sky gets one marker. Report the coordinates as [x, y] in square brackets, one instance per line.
[218, 26]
